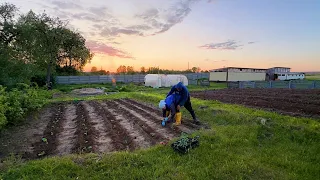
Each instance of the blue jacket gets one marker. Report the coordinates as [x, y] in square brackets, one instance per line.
[184, 93]
[174, 98]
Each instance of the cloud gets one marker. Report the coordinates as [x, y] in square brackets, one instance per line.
[162, 20]
[228, 45]
[100, 11]
[149, 14]
[86, 16]
[251, 42]
[152, 21]
[115, 31]
[66, 4]
[215, 60]
[99, 47]
[114, 42]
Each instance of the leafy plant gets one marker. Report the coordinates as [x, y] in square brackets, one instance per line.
[17, 102]
[185, 143]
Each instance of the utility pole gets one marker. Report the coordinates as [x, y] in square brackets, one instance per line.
[188, 65]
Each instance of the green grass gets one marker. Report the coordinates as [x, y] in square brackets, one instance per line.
[238, 146]
[132, 87]
[313, 77]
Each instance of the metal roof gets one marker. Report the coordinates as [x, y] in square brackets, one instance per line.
[237, 68]
[281, 67]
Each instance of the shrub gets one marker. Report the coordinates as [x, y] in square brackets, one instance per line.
[41, 79]
[17, 102]
[3, 107]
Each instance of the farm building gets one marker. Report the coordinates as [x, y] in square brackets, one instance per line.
[283, 73]
[238, 74]
[254, 74]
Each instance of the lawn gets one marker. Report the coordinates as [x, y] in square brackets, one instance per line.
[313, 77]
[243, 143]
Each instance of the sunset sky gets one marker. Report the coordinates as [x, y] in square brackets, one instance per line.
[206, 33]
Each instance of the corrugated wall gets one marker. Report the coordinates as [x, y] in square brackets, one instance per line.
[234, 76]
[218, 76]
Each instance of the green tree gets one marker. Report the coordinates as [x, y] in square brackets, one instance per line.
[122, 70]
[130, 70]
[94, 69]
[142, 70]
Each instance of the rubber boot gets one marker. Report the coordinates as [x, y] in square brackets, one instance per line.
[195, 120]
[178, 118]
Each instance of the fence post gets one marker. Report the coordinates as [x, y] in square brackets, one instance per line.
[254, 84]
[290, 83]
[313, 84]
[270, 84]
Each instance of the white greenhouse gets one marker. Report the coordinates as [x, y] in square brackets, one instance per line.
[161, 80]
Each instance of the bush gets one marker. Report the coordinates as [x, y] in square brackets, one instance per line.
[3, 107]
[17, 102]
[41, 79]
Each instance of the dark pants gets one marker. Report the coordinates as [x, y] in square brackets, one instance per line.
[188, 106]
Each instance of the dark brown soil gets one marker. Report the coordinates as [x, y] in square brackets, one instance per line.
[84, 127]
[85, 132]
[154, 110]
[154, 136]
[150, 116]
[293, 102]
[47, 145]
[119, 135]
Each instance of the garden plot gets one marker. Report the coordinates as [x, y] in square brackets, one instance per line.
[296, 102]
[90, 126]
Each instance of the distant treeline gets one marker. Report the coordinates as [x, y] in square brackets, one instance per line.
[151, 70]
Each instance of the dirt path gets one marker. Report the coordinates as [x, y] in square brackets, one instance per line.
[102, 139]
[67, 137]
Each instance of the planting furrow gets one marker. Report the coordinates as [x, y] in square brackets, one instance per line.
[67, 137]
[48, 144]
[122, 137]
[155, 117]
[154, 110]
[85, 132]
[103, 141]
[159, 132]
[142, 134]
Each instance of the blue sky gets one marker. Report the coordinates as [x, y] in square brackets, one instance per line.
[208, 34]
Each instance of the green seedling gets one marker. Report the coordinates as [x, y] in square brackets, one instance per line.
[45, 140]
[42, 153]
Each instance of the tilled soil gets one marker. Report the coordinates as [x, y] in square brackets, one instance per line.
[89, 126]
[295, 102]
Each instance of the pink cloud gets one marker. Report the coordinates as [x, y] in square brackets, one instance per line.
[98, 47]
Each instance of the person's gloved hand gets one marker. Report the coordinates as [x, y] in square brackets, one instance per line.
[163, 123]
